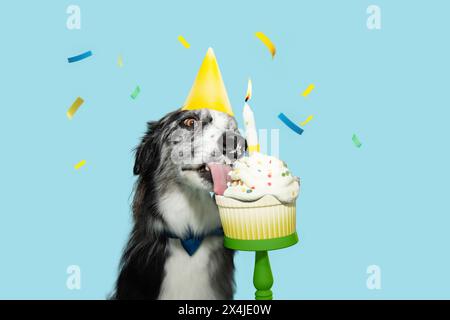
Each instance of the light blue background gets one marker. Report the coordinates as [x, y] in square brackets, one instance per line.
[385, 203]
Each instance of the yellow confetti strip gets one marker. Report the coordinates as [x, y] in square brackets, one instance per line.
[80, 164]
[307, 120]
[184, 42]
[74, 107]
[120, 62]
[308, 90]
[267, 42]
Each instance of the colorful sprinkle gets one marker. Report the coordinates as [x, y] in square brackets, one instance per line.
[249, 190]
[269, 175]
[269, 184]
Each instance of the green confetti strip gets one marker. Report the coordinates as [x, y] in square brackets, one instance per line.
[356, 141]
[135, 93]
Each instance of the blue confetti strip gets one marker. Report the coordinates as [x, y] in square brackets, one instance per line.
[79, 57]
[290, 124]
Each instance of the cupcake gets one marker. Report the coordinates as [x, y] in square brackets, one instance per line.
[256, 200]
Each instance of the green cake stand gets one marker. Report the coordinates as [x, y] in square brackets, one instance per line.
[262, 274]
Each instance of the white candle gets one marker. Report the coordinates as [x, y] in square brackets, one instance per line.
[249, 121]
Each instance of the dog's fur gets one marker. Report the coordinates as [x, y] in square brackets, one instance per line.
[172, 196]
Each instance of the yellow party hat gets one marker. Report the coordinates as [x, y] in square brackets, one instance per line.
[208, 90]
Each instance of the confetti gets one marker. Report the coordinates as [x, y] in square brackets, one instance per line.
[290, 124]
[306, 121]
[356, 141]
[308, 90]
[80, 164]
[79, 57]
[184, 42]
[267, 42]
[135, 92]
[74, 107]
[120, 62]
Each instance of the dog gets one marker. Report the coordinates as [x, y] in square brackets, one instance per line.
[173, 206]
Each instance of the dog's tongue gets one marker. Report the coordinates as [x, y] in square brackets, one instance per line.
[220, 176]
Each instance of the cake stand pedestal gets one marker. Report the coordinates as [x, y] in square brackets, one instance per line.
[262, 274]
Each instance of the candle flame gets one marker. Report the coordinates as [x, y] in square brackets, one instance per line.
[249, 90]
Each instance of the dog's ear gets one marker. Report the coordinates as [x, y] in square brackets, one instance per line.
[148, 151]
[139, 159]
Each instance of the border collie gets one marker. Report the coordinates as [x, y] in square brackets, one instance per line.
[175, 249]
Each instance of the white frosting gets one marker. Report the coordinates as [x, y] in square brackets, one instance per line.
[258, 175]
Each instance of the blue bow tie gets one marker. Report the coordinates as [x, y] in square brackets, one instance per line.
[191, 243]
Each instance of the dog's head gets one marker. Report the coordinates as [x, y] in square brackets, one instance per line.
[179, 147]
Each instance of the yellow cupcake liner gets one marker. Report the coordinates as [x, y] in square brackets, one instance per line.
[266, 218]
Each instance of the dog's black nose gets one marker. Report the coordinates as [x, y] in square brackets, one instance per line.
[232, 145]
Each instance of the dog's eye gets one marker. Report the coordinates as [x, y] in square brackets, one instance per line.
[189, 122]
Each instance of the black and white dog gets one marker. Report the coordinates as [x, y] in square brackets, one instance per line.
[175, 250]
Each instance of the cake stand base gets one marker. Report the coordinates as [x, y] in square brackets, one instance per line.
[262, 275]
